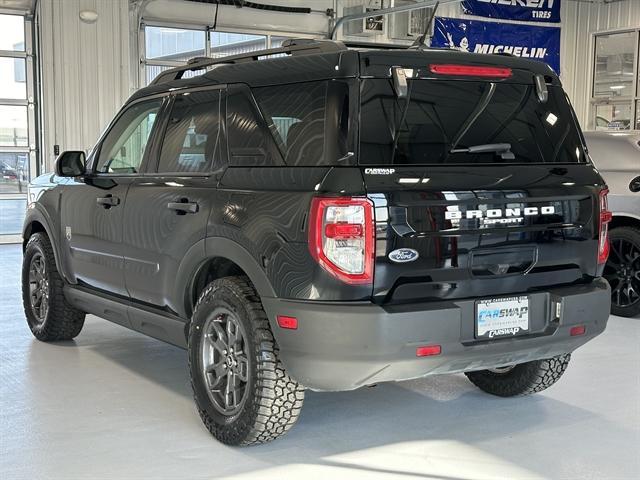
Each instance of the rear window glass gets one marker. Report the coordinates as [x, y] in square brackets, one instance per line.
[445, 119]
[309, 121]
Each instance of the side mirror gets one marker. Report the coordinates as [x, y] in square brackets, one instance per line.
[634, 186]
[71, 163]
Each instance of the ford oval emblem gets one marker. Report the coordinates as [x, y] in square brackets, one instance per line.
[403, 255]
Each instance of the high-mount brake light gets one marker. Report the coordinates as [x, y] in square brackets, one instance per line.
[341, 237]
[603, 227]
[470, 70]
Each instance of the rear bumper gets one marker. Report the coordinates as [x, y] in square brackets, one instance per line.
[343, 346]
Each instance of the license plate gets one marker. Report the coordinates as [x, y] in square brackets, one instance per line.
[502, 317]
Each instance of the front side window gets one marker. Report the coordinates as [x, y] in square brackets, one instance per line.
[192, 142]
[123, 148]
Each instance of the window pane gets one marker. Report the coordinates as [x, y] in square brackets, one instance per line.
[14, 173]
[277, 41]
[250, 143]
[638, 115]
[13, 81]
[13, 126]
[12, 28]
[224, 44]
[192, 139]
[152, 71]
[297, 116]
[615, 57]
[533, 132]
[123, 148]
[176, 44]
[613, 117]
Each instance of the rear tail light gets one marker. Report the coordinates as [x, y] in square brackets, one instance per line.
[341, 237]
[470, 70]
[603, 228]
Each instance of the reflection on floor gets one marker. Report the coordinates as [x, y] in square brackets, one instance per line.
[115, 404]
[11, 215]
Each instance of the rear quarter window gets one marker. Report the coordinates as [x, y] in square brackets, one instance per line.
[309, 121]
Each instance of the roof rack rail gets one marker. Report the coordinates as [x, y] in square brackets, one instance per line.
[294, 46]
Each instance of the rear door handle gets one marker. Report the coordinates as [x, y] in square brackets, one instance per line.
[183, 207]
[108, 201]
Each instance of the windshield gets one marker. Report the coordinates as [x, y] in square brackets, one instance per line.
[456, 121]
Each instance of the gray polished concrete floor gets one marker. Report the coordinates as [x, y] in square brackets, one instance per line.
[115, 404]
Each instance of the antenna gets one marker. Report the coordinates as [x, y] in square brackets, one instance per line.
[420, 42]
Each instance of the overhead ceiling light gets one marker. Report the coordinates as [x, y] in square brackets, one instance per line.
[88, 16]
[617, 87]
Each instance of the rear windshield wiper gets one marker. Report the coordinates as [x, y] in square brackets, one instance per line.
[502, 149]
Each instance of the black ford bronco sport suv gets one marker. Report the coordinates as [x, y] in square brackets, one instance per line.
[314, 216]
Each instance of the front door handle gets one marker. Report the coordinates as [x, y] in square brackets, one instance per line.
[183, 206]
[108, 201]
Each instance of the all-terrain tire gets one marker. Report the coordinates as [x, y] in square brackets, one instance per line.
[62, 320]
[523, 379]
[631, 235]
[273, 399]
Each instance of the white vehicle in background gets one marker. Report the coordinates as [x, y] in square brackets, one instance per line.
[616, 154]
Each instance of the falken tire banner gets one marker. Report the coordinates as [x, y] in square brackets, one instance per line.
[522, 10]
[526, 41]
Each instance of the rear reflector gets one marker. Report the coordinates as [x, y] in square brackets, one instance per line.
[287, 322]
[470, 70]
[578, 330]
[603, 228]
[428, 351]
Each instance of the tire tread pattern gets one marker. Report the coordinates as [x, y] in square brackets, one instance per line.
[277, 398]
[63, 320]
[523, 379]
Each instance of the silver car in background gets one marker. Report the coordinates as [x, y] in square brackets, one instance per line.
[616, 154]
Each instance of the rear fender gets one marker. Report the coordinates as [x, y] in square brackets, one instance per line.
[225, 248]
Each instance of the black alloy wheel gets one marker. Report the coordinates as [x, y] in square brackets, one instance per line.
[225, 367]
[38, 287]
[622, 271]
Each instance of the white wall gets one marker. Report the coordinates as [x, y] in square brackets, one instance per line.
[84, 68]
[89, 70]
